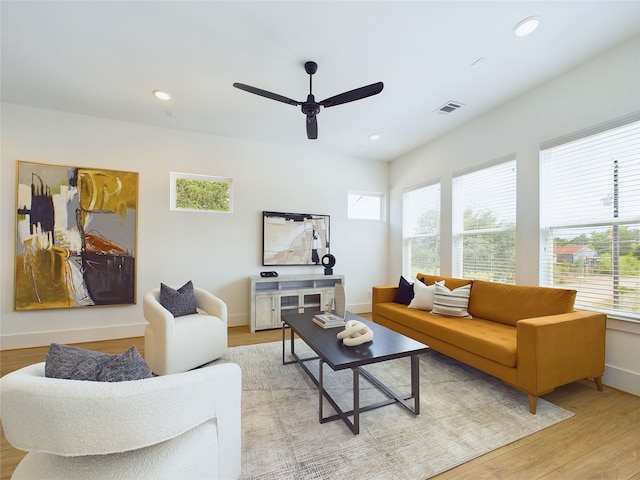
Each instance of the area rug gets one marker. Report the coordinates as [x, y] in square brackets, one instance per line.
[464, 414]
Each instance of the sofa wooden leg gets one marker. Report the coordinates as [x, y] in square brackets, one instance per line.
[598, 381]
[533, 402]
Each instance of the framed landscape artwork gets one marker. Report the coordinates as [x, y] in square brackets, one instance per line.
[294, 238]
[76, 236]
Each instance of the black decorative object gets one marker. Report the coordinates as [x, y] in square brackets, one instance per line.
[328, 261]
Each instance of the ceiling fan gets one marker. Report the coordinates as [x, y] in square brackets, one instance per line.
[311, 108]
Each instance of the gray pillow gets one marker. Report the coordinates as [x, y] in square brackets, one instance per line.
[178, 302]
[73, 363]
[128, 366]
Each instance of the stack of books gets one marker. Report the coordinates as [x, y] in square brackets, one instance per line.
[328, 320]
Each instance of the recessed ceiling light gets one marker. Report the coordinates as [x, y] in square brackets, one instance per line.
[374, 136]
[159, 94]
[526, 26]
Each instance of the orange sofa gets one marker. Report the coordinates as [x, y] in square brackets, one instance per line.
[529, 337]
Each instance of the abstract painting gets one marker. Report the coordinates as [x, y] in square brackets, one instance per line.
[294, 238]
[75, 236]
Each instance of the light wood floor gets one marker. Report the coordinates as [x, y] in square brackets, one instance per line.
[602, 440]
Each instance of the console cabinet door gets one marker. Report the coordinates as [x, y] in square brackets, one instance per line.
[266, 314]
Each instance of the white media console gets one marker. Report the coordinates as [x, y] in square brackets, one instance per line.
[273, 296]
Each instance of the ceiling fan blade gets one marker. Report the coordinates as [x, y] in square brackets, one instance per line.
[264, 93]
[352, 95]
[312, 127]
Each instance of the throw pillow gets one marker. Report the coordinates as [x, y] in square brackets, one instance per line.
[178, 302]
[451, 303]
[128, 366]
[404, 294]
[73, 363]
[423, 295]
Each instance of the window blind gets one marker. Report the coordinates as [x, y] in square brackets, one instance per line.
[484, 222]
[421, 231]
[590, 216]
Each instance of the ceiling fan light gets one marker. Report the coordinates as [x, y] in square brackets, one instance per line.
[526, 26]
[161, 95]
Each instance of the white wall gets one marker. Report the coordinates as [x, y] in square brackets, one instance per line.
[217, 251]
[599, 90]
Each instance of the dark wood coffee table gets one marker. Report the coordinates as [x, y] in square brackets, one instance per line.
[386, 345]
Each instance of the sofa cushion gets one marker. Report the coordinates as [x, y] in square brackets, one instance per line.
[404, 294]
[509, 303]
[491, 340]
[179, 302]
[451, 303]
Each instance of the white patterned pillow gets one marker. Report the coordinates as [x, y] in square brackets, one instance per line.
[451, 303]
[423, 295]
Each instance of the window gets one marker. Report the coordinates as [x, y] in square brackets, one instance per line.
[484, 222]
[421, 231]
[365, 206]
[590, 216]
[202, 193]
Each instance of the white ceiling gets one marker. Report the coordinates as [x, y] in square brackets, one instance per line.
[103, 58]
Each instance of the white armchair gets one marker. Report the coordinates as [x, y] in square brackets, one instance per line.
[173, 345]
[183, 426]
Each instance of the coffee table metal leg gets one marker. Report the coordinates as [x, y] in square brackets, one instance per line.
[415, 383]
[320, 390]
[356, 401]
[283, 342]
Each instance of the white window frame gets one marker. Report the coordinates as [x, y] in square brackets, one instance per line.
[499, 267]
[412, 210]
[174, 176]
[354, 214]
[607, 167]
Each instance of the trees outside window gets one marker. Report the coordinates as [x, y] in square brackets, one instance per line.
[192, 192]
[484, 222]
[590, 216]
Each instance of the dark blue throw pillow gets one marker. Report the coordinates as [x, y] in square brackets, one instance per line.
[404, 295]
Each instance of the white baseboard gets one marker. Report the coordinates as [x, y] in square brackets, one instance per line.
[38, 339]
[622, 379]
[238, 320]
[359, 307]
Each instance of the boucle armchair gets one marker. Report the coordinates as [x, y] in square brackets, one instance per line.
[177, 344]
[183, 426]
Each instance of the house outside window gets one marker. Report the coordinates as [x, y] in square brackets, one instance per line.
[421, 231]
[590, 216]
[484, 222]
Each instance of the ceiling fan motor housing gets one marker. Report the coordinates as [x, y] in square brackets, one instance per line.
[311, 67]
[310, 107]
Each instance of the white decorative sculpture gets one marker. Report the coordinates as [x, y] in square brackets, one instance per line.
[340, 300]
[355, 333]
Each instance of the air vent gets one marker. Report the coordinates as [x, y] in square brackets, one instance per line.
[449, 107]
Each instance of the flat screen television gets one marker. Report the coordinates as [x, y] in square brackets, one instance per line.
[294, 238]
